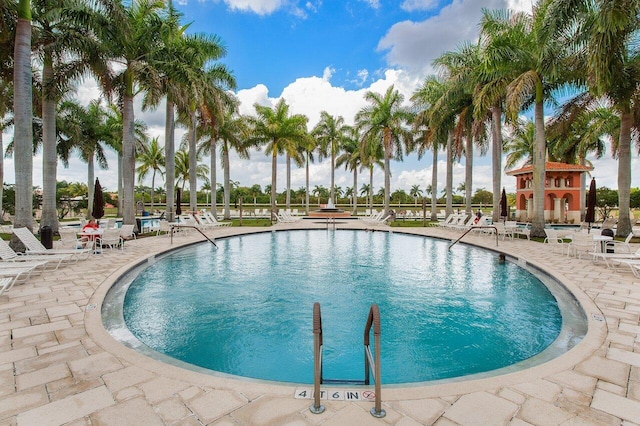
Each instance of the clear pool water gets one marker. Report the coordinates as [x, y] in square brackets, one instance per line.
[246, 307]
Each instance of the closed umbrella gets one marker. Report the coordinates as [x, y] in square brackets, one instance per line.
[98, 201]
[504, 208]
[590, 216]
[178, 207]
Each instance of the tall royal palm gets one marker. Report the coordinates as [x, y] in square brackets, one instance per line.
[23, 115]
[130, 38]
[275, 128]
[432, 128]
[329, 133]
[609, 29]
[67, 49]
[384, 122]
[537, 60]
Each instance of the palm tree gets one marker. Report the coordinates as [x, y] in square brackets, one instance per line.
[431, 128]
[520, 145]
[329, 132]
[350, 158]
[275, 128]
[538, 62]
[84, 130]
[383, 122]
[151, 160]
[23, 114]
[416, 193]
[308, 149]
[183, 170]
[606, 32]
[66, 47]
[130, 38]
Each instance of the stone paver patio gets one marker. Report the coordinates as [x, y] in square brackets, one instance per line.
[59, 366]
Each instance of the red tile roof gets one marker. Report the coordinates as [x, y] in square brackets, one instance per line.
[551, 166]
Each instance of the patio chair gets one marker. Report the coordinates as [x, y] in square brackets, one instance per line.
[611, 258]
[126, 232]
[555, 241]
[111, 238]
[69, 238]
[44, 261]
[13, 273]
[622, 246]
[34, 246]
[581, 244]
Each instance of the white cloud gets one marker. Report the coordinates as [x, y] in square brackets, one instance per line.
[261, 7]
[414, 45]
[411, 5]
[373, 3]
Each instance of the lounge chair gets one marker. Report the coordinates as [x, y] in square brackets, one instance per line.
[449, 220]
[127, 232]
[210, 219]
[34, 246]
[633, 264]
[12, 273]
[43, 261]
[610, 258]
[6, 283]
[69, 238]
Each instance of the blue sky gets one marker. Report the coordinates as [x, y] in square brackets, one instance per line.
[325, 55]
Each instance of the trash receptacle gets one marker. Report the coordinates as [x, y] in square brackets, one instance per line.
[609, 244]
[138, 226]
[46, 236]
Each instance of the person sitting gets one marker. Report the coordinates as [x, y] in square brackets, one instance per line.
[478, 217]
[89, 228]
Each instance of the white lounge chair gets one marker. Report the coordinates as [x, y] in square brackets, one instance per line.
[611, 258]
[34, 246]
[211, 220]
[44, 261]
[633, 264]
[581, 244]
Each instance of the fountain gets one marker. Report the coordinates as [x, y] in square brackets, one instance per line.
[329, 211]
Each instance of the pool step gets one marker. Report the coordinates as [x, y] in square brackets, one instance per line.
[342, 382]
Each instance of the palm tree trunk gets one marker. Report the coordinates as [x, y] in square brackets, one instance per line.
[91, 182]
[387, 170]
[288, 196]
[449, 182]
[468, 178]
[49, 155]
[496, 158]
[274, 169]
[624, 174]
[355, 190]
[1, 177]
[434, 184]
[214, 177]
[193, 164]
[23, 116]
[170, 162]
[120, 189]
[307, 182]
[227, 183]
[539, 172]
[332, 194]
[583, 185]
[153, 182]
[128, 154]
[371, 188]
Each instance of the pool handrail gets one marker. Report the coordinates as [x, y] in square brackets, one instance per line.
[373, 360]
[495, 229]
[369, 360]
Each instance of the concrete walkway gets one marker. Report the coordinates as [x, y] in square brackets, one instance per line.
[59, 366]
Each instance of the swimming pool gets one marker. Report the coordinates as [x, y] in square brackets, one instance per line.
[245, 309]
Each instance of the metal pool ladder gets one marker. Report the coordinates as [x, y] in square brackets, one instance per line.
[371, 361]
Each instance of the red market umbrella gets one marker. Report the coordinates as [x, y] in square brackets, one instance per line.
[98, 201]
